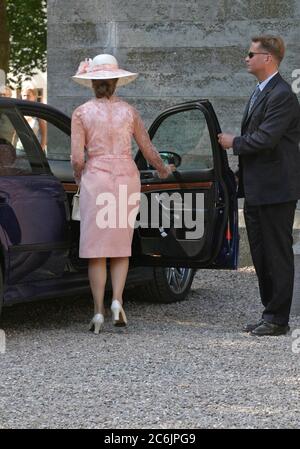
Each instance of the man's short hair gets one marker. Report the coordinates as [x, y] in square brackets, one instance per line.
[272, 44]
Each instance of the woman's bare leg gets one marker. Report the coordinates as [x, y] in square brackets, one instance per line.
[118, 272]
[97, 276]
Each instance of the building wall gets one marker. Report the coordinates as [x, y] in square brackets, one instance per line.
[182, 49]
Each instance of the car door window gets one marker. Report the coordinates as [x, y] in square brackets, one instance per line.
[58, 146]
[186, 133]
[14, 159]
[58, 143]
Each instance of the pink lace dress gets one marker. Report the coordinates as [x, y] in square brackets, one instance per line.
[108, 176]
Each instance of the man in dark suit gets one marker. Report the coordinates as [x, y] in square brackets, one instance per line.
[269, 179]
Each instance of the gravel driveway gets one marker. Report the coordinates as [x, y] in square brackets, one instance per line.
[185, 365]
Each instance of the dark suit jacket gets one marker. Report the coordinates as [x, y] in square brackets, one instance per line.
[268, 149]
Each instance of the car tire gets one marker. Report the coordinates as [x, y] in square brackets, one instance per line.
[168, 285]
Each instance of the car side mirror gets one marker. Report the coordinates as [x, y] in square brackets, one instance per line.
[169, 157]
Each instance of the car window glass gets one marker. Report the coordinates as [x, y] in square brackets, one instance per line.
[58, 143]
[186, 133]
[13, 157]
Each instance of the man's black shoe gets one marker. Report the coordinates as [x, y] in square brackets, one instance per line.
[267, 328]
[251, 326]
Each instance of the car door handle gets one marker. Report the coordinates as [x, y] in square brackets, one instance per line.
[150, 175]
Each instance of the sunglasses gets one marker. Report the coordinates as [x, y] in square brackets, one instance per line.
[252, 53]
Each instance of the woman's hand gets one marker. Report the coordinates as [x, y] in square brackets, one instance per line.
[172, 167]
[168, 170]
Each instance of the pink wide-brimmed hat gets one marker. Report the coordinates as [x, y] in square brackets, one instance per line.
[102, 67]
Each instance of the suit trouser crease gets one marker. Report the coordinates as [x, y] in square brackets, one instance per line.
[270, 234]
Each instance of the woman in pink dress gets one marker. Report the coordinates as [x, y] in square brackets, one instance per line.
[101, 157]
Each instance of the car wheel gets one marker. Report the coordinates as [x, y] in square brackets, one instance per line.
[168, 285]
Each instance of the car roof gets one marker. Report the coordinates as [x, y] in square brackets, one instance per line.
[25, 104]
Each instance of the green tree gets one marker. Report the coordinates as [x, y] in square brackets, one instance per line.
[4, 37]
[27, 28]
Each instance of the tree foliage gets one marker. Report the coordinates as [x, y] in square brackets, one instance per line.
[4, 38]
[27, 24]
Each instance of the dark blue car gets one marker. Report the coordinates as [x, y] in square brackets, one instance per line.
[39, 241]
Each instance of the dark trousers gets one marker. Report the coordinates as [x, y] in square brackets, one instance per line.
[269, 228]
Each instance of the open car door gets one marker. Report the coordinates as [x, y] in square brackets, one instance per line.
[199, 198]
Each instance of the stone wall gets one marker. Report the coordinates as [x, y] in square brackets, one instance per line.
[182, 49]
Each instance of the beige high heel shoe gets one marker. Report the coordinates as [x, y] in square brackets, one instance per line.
[119, 316]
[96, 323]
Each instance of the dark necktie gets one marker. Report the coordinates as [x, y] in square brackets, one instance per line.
[253, 98]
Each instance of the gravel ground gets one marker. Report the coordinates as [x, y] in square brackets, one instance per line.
[184, 365]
